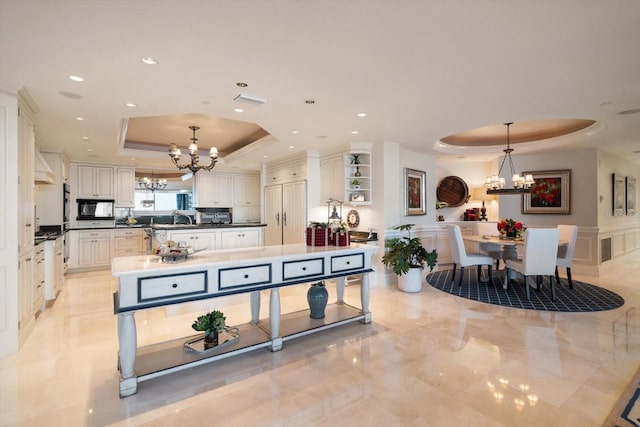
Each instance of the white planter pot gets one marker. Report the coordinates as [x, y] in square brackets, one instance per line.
[412, 281]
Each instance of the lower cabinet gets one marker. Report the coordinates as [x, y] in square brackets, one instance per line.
[241, 238]
[38, 279]
[199, 240]
[25, 292]
[128, 242]
[53, 267]
[90, 248]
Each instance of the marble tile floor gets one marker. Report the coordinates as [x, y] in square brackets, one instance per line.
[428, 359]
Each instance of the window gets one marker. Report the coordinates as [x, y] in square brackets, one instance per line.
[162, 201]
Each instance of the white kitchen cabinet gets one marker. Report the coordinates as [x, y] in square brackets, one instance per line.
[296, 171]
[25, 293]
[89, 248]
[26, 176]
[285, 213]
[332, 179]
[38, 279]
[94, 182]
[128, 242]
[198, 240]
[212, 190]
[125, 186]
[240, 238]
[246, 198]
[53, 267]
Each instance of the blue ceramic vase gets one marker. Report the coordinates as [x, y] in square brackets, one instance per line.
[317, 297]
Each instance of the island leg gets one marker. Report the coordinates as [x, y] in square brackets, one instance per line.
[274, 319]
[364, 298]
[255, 307]
[127, 339]
[340, 289]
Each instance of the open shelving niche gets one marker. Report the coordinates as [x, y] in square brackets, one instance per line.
[360, 171]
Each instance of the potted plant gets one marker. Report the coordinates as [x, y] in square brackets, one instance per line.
[407, 257]
[440, 205]
[211, 324]
[355, 184]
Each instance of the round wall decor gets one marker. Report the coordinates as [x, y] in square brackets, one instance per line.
[353, 219]
[453, 190]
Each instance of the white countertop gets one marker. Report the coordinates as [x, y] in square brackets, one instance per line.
[125, 266]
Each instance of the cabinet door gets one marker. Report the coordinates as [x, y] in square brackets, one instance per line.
[332, 179]
[275, 175]
[102, 254]
[243, 238]
[197, 240]
[86, 182]
[294, 209]
[295, 172]
[25, 290]
[26, 176]
[273, 215]
[85, 252]
[125, 185]
[104, 183]
[246, 190]
[213, 190]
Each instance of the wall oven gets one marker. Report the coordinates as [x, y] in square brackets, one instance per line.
[66, 206]
[91, 209]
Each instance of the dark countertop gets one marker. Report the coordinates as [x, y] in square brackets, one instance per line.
[173, 227]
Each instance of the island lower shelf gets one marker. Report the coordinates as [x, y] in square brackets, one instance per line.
[170, 356]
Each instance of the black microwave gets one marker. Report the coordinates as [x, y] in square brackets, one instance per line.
[91, 209]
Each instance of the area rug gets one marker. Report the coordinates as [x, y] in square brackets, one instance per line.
[626, 413]
[583, 297]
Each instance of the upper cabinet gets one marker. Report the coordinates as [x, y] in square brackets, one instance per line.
[246, 198]
[125, 186]
[95, 182]
[50, 208]
[287, 173]
[332, 179]
[212, 190]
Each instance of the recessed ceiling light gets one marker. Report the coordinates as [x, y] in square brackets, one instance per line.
[76, 78]
[295, 131]
[355, 132]
[80, 118]
[239, 110]
[265, 156]
[85, 138]
[205, 102]
[148, 60]
[241, 84]
[130, 104]
[89, 149]
[291, 146]
[310, 101]
[362, 114]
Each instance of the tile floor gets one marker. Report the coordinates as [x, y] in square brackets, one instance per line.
[428, 359]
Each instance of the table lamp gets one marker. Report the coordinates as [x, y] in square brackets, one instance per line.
[480, 193]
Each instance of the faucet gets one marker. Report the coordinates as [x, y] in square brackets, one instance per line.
[177, 213]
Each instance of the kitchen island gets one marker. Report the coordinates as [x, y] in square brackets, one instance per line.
[145, 282]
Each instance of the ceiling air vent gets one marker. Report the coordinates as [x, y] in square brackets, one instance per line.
[249, 99]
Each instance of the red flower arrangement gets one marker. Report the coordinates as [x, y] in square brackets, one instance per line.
[510, 228]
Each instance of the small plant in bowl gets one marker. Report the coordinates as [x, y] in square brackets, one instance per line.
[356, 183]
[211, 324]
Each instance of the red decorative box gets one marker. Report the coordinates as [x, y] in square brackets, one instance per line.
[317, 236]
[341, 239]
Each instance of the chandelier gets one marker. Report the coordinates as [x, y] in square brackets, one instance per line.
[521, 183]
[174, 153]
[152, 184]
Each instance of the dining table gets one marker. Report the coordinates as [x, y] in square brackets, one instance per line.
[509, 248]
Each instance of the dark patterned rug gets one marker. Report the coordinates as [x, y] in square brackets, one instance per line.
[583, 296]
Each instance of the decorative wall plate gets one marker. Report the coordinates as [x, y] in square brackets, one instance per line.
[453, 190]
[353, 219]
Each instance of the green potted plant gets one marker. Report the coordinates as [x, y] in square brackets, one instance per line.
[355, 184]
[211, 324]
[407, 257]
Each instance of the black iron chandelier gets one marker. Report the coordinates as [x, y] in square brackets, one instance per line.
[174, 153]
[521, 183]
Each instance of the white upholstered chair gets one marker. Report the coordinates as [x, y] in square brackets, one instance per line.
[461, 258]
[538, 257]
[568, 233]
[494, 250]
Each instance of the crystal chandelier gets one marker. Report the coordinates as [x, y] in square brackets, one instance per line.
[521, 183]
[174, 153]
[152, 184]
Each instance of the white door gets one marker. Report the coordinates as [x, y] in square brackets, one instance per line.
[294, 210]
[273, 214]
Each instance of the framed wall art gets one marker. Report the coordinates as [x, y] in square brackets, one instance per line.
[551, 193]
[631, 196]
[414, 192]
[618, 189]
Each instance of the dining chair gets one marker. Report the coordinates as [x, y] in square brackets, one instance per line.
[538, 258]
[461, 258]
[568, 233]
[494, 250]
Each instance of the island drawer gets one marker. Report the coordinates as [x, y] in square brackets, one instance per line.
[175, 285]
[300, 269]
[240, 277]
[347, 262]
